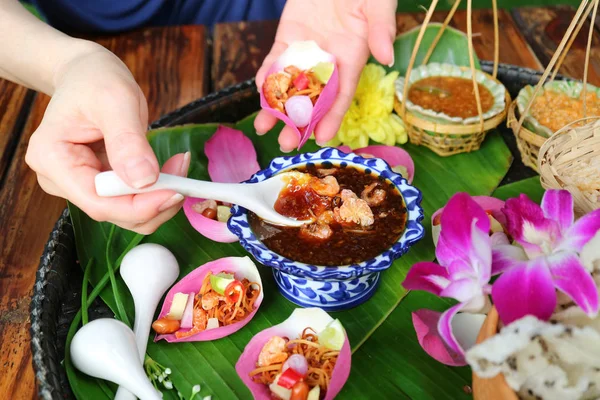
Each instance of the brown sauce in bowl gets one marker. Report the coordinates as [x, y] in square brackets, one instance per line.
[452, 96]
[346, 241]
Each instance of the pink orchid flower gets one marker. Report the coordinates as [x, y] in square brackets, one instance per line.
[548, 258]
[231, 159]
[465, 260]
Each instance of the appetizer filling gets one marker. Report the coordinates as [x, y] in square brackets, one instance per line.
[300, 369]
[355, 215]
[294, 92]
[222, 300]
[555, 110]
[212, 209]
[452, 96]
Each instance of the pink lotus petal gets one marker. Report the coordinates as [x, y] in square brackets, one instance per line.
[527, 224]
[209, 228]
[505, 256]
[241, 267]
[584, 229]
[426, 326]
[558, 206]
[525, 289]
[427, 276]
[393, 155]
[231, 156]
[571, 277]
[292, 328]
[305, 55]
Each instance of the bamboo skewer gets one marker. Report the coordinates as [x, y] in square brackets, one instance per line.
[586, 66]
[440, 32]
[496, 39]
[472, 61]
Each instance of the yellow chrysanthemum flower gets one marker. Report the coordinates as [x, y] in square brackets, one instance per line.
[371, 114]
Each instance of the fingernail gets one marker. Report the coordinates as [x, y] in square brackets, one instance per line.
[174, 200]
[140, 173]
[260, 133]
[284, 150]
[393, 59]
[320, 144]
[185, 164]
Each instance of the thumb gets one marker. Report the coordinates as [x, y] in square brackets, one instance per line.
[123, 122]
[381, 19]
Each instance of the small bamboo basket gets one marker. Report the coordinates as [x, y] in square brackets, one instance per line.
[528, 142]
[446, 139]
[566, 162]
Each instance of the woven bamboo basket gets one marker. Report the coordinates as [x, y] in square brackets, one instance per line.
[528, 142]
[570, 160]
[494, 388]
[444, 138]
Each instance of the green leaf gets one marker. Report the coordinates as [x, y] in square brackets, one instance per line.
[211, 364]
[451, 49]
[530, 186]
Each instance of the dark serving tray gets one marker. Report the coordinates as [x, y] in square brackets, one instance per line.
[57, 290]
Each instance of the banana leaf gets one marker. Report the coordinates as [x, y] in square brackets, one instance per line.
[387, 355]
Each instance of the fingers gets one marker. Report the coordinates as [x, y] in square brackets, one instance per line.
[122, 118]
[264, 122]
[288, 139]
[381, 18]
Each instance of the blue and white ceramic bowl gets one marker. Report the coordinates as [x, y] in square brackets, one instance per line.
[330, 288]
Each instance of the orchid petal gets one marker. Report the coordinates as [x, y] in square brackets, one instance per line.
[446, 331]
[240, 267]
[584, 229]
[590, 254]
[292, 328]
[490, 204]
[210, 228]
[527, 288]
[231, 156]
[304, 55]
[462, 290]
[571, 277]
[427, 276]
[505, 256]
[558, 206]
[426, 327]
[527, 224]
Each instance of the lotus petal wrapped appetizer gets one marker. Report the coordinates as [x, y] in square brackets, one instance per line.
[300, 87]
[211, 302]
[306, 357]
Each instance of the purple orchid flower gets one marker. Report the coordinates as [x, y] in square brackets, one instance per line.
[548, 258]
[465, 260]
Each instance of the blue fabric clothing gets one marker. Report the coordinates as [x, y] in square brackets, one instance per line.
[119, 15]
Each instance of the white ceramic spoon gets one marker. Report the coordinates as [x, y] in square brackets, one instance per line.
[106, 348]
[257, 197]
[148, 271]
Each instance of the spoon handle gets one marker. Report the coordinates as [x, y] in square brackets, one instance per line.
[108, 184]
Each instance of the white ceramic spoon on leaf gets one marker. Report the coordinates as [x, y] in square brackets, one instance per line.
[148, 271]
[106, 348]
[256, 197]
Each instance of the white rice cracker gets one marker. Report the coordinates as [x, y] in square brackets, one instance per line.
[542, 360]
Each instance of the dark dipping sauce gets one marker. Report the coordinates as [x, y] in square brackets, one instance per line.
[348, 244]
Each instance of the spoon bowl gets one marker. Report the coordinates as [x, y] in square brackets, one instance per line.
[258, 197]
[106, 348]
[148, 271]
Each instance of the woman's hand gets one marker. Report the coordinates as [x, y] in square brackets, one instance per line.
[97, 120]
[346, 28]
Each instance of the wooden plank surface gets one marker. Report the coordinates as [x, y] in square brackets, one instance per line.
[239, 48]
[170, 65]
[14, 101]
[545, 27]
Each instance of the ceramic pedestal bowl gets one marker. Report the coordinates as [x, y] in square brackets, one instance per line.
[331, 288]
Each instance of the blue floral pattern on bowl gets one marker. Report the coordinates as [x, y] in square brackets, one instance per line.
[331, 288]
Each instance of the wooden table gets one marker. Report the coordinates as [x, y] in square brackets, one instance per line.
[172, 68]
